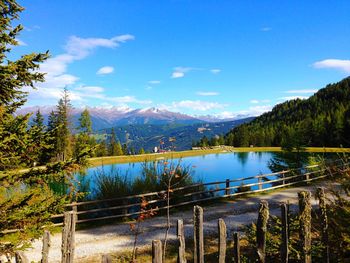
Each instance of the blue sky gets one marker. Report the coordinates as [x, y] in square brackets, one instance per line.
[197, 57]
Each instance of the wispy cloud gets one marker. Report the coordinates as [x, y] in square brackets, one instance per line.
[255, 101]
[339, 64]
[105, 70]
[56, 67]
[81, 47]
[154, 82]
[197, 105]
[251, 111]
[207, 93]
[265, 29]
[31, 28]
[301, 91]
[215, 71]
[179, 72]
[21, 43]
[292, 98]
[90, 89]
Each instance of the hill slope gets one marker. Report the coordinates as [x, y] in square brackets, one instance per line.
[321, 120]
[149, 135]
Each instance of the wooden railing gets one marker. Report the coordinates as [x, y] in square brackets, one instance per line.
[198, 250]
[129, 206]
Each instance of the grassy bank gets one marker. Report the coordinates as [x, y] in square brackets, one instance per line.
[169, 155]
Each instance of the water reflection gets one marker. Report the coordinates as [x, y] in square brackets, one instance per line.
[242, 157]
[211, 167]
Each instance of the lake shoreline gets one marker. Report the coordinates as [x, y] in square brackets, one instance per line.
[98, 161]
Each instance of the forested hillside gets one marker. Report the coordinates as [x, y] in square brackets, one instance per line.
[321, 120]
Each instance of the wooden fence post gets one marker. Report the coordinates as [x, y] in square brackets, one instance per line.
[222, 240]
[324, 222]
[227, 190]
[236, 248]
[285, 237]
[20, 257]
[106, 258]
[157, 255]
[68, 237]
[198, 234]
[261, 228]
[305, 224]
[46, 247]
[260, 181]
[181, 258]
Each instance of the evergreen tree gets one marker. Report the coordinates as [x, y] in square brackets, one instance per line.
[85, 123]
[63, 147]
[142, 151]
[83, 140]
[26, 200]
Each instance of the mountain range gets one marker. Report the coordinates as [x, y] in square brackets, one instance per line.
[103, 118]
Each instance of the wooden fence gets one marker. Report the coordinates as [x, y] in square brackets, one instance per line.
[304, 219]
[130, 206]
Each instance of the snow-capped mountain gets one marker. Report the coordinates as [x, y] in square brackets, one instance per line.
[118, 116]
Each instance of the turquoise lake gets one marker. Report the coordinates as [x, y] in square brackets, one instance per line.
[205, 168]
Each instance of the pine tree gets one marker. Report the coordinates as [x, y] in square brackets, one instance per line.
[84, 140]
[26, 200]
[142, 151]
[63, 147]
[85, 124]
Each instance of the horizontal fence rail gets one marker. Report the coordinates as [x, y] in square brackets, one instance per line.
[130, 206]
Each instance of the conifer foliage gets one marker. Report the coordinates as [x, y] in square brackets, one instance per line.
[321, 120]
[26, 199]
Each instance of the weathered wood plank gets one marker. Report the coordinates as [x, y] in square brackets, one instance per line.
[324, 222]
[68, 237]
[181, 258]
[157, 252]
[222, 240]
[20, 257]
[261, 229]
[106, 258]
[305, 225]
[198, 237]
[46, 247]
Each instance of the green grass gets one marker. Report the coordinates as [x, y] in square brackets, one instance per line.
[97, 161]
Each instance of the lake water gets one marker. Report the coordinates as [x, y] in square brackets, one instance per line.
[207, 168]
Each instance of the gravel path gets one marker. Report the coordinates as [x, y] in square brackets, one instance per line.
[92, 243]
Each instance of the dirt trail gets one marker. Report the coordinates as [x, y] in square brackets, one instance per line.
[93, 242]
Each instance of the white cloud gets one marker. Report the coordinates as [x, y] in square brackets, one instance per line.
[266, 29]
[127, 99]
[339, 64]
[215, 71]
[301, 91]
[197, 105]
[21, 43]
[148, 88]
[254, 101]
[82, 47]
[105, 70]
[154, 82]
[207, 93]
[293, 98]
[76, 49]
[176, 75]
[179, 72]
[90, 89]
[255, 110]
